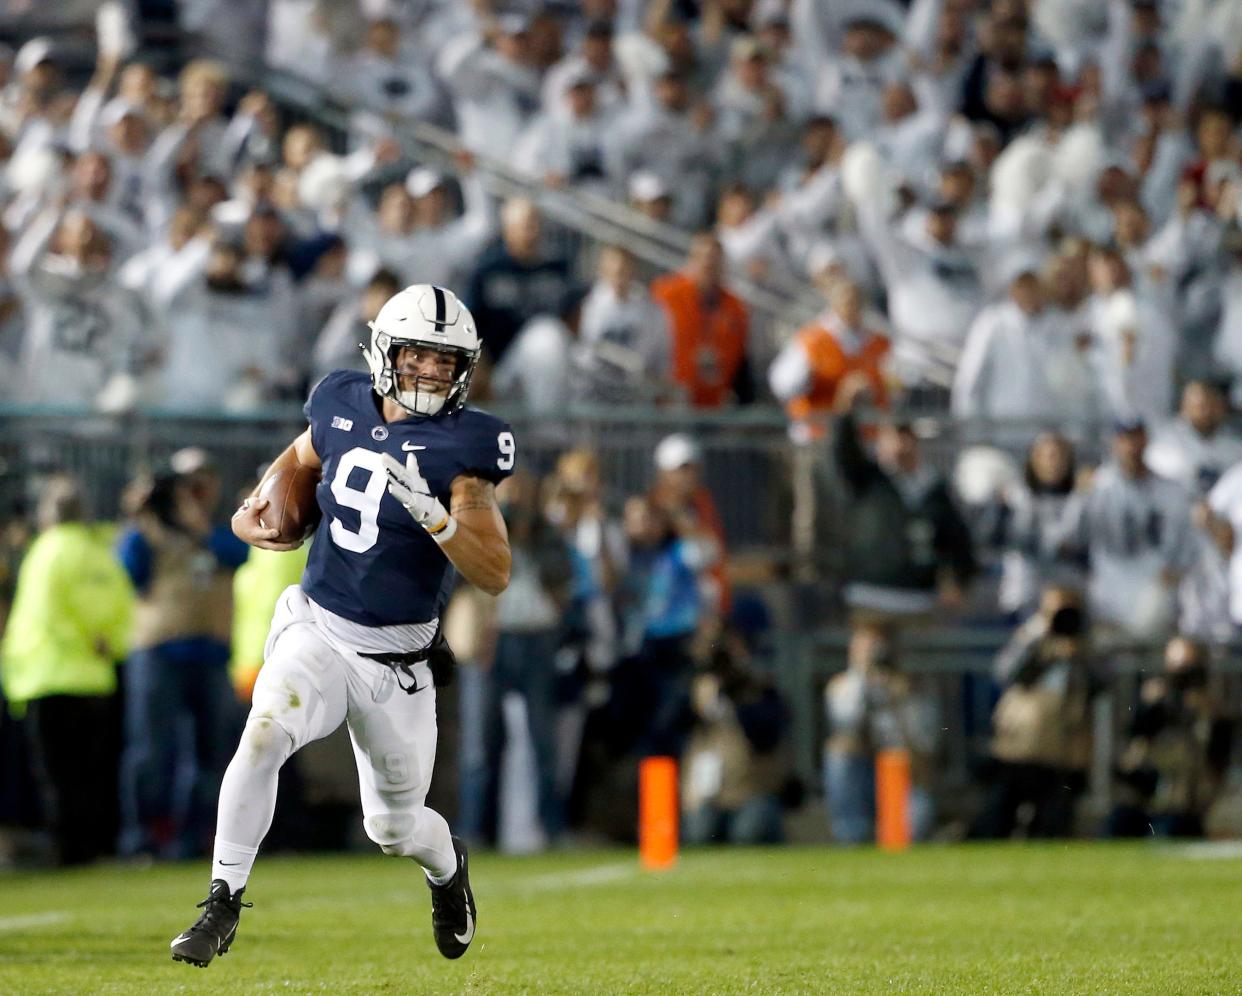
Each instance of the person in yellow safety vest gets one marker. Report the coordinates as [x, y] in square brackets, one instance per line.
[257, 587]
[68, 628]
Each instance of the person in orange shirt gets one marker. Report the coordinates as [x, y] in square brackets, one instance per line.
[709, 326]
[840, 346]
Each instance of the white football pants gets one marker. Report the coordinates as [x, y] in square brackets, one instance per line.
[308, 686]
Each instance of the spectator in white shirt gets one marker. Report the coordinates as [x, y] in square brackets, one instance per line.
[229, 346]
[750, 237]
[1196, 448]
[307, 36]
[383, 239]
[593, 56]
[146, 272]
[84, 331]
[910, 135]
[1132, 344]
[35, 101]
[624, 346]
[494, 87]
[1070, 370]
[851, 84]
[444, 246]
[566, 147]
[1136, 530]
[197, 137]
[536, 369]
[812, 199]
[1003, 371]
[666, 138]
[383, 76]
[1033, 517]
[935, 290]
[754, 114]
[1221, 518]
[790, 67]
[92, 189]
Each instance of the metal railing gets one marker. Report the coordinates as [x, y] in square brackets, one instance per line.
[748, 458]
[952, 668]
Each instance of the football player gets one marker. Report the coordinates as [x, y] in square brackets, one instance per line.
[358, 641]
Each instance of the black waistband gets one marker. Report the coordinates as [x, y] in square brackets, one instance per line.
[403, 663]
[398, 660]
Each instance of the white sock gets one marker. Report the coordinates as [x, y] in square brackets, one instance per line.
[232, 862]
[248, 800]
[446, 878]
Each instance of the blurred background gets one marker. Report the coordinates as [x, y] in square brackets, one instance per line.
[873, 368]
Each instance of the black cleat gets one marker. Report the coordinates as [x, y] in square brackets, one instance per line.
[453, 915]
[213, 932]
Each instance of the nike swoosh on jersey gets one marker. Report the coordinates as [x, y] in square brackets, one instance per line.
[412, 446]
[468, 936]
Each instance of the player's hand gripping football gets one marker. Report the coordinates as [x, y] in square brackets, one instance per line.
[410, 490]
[248, 525]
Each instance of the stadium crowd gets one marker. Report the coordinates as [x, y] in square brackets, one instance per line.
[1020, 214]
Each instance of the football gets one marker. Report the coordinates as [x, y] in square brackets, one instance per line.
[290, 488]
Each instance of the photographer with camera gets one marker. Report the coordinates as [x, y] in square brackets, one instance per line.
[873, 706]
[1041, 743]
[1176, 750]
[181, 564]
[734, 768]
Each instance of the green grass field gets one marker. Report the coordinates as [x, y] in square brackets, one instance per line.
[1047, 919]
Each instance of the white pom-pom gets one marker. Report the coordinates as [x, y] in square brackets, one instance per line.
[1121, 311]
[865, 176]
[33, 170]
[982, 472]
[1079, 156]
[324, 182]
[1019, 173]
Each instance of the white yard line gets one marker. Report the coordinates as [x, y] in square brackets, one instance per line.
[31, 920]
[582, 878]
[1210, 850]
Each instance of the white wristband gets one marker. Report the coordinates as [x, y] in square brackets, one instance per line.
[445, 532]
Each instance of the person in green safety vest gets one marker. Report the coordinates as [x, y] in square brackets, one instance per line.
[257, 586]
[68, 628]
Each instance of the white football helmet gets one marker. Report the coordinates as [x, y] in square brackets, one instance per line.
[429, 317]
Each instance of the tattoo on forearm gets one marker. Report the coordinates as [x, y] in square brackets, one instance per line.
[473, 494]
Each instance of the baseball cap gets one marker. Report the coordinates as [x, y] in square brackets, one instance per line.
[422, 180]
[1128, 422]
[645, 187]
[118, 109]
[190, 460]
[513, 24]
[677, 450]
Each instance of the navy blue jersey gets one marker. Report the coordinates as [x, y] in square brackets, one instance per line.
[371, 562]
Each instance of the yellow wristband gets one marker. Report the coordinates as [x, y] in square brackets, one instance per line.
[444, 531]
